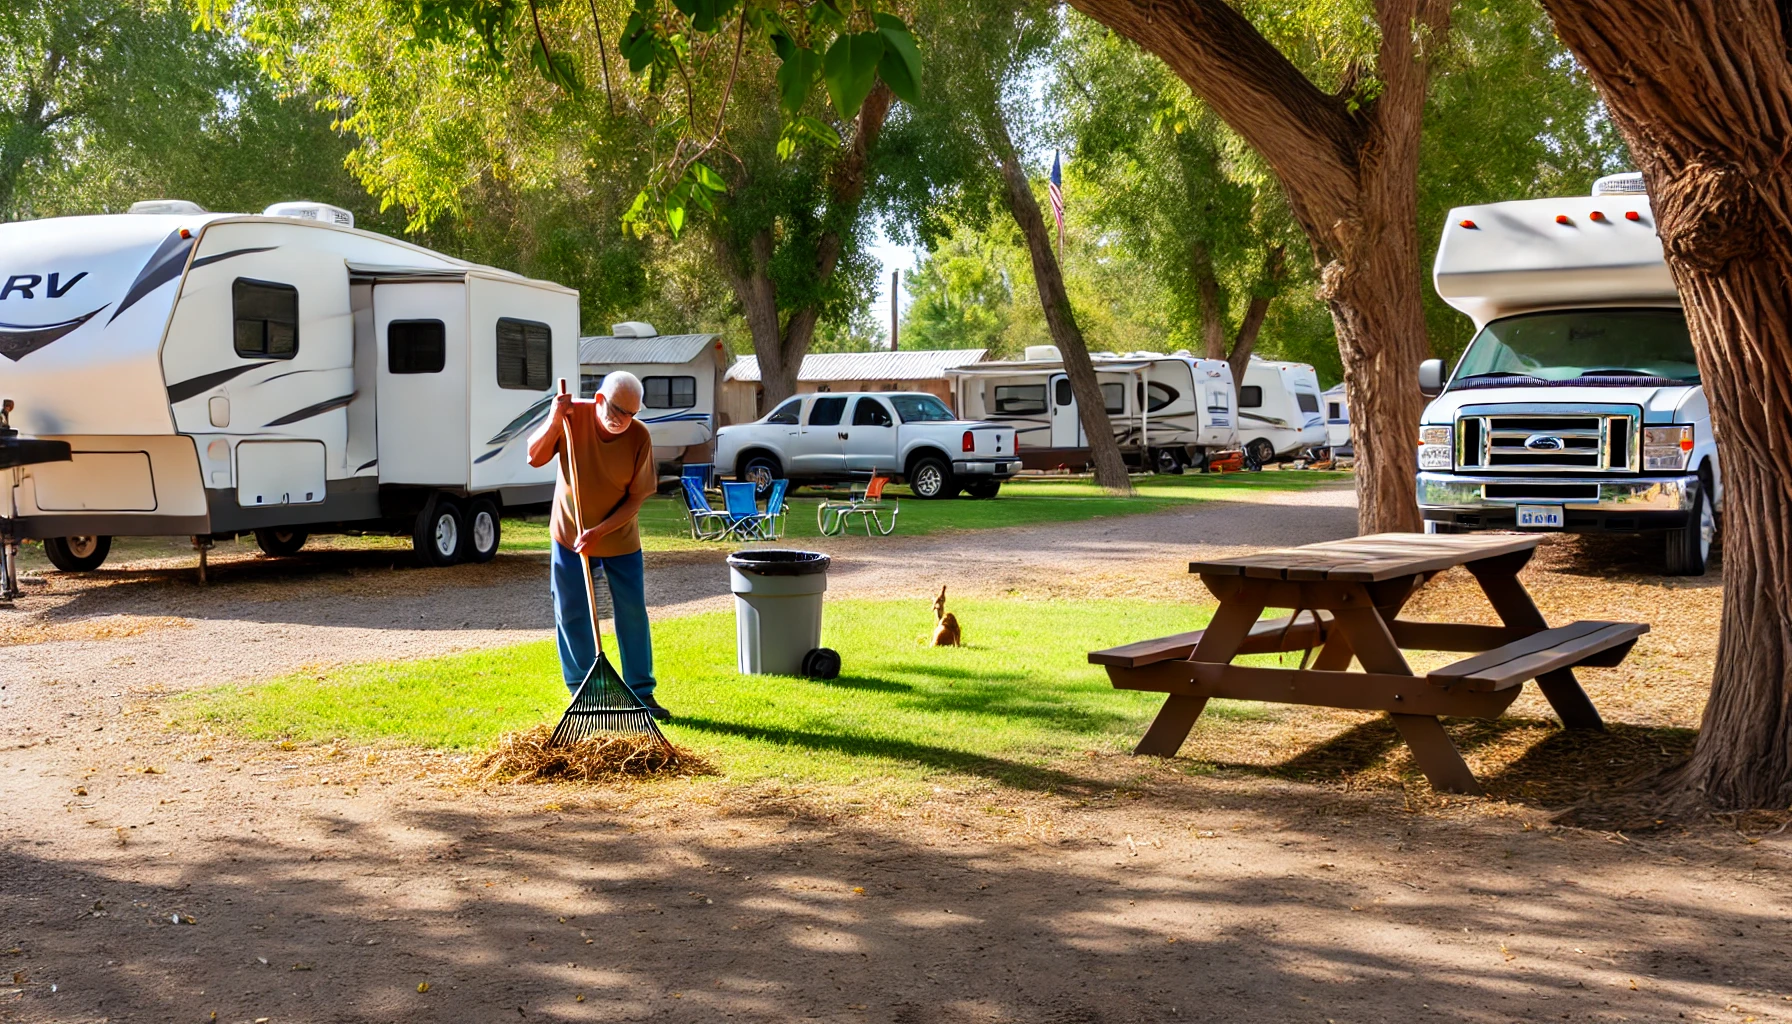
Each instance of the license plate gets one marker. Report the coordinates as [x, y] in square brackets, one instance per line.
[1540, 517]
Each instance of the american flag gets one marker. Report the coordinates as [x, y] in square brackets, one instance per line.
[1057, 191]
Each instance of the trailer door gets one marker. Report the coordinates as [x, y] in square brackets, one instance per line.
[420, 328]
[1067, 429]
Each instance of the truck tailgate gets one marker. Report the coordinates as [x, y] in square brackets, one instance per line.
[987, 441]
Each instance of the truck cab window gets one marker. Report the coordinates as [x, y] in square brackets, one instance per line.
[267, 319]
[786, 413]
[524, 349]
[669, 392]
[826, 412]
[920, 409]
[416, 346]
[871, 413]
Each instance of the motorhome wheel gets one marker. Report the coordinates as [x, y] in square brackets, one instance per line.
[439, 533]
[281, 543]
[1689, 547]
[931, 478]
[1260, 452]
[482, 531]
[77, 554]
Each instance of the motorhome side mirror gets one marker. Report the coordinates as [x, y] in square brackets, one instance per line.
[1431, 378]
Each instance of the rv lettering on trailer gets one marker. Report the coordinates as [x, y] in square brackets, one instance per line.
[26, 286]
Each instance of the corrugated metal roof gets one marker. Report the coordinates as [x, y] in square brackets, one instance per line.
[666, 348]
[919, 364]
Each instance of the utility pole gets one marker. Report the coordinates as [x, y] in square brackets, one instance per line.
[895, 306]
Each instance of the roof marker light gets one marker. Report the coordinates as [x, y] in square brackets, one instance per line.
[1595, 215]
[1469, 224]
[184, 233]
[1632, 215]
[1562, 218]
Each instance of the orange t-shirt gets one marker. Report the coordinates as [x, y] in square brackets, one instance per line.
[610, 470]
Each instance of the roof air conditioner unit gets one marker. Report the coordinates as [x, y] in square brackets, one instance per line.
[1043, 352]
[312, 211]
[633, 329]
[175, 206]
[1626, 183]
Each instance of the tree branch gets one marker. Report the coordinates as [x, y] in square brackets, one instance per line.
[603, 57]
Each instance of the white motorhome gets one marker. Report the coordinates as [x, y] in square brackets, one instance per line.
[1187, 416]
[681, 381]
[221, 374]
[1278, 411]
[1577, 406]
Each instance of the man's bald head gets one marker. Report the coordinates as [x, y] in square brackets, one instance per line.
[618, 400]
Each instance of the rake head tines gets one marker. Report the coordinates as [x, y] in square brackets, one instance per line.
[604, 703]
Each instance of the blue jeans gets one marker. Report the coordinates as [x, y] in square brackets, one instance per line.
[572, 618]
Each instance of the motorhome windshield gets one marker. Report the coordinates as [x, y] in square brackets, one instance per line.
[1582, 346]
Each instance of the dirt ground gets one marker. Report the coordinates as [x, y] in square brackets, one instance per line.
[1288, 869]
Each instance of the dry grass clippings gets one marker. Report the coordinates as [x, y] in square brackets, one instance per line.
[526, 757]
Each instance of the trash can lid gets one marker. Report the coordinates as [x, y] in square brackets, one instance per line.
[779, 562]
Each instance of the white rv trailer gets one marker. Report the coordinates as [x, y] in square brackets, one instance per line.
[1278, 411]
[1187, 417]
[221, 374]
[1337, 420]
[681, 379]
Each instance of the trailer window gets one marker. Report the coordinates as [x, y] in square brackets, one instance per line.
[1250, 396]
[1308, 401]
[267, 319]
[669, 392]
[416, 346]
[1334, 411]
[589, 383]
[786, 413]
[1219, 400]
[1113, 398]
[524, 351]
[1063, 394]
[1161, 395]
[1020, 399]
[871, 413]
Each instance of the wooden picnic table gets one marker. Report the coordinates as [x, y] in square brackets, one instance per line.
[1347, 597]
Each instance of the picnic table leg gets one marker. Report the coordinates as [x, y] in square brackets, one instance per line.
[1437, 757]
[1499, 581]
[1219, 642]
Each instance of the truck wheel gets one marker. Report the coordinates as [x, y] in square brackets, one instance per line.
[983, 489]
[1167, 461]
[77, 554]
[1259, 453]
[483, 531]
[439, 533]
[762, 470]
[1689, 547]
[931, 478]
[281, 543]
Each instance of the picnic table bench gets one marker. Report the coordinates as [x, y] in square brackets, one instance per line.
[1347, 596]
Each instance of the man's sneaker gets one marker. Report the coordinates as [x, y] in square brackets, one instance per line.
[659, 714]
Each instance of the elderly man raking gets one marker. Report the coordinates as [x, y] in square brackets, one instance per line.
[610, 462]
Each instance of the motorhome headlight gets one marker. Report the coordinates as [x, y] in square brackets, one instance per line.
[1434, 447]
[1667, 447]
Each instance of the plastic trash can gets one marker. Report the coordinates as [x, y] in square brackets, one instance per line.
[777, 608]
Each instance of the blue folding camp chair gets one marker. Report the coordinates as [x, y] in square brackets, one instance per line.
[775, 510]
[745, 521]
[706, 523]
[701, 472]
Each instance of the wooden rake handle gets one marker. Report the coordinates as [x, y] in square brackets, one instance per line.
[578, 521]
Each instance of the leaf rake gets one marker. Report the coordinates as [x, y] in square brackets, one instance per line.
[604, 702]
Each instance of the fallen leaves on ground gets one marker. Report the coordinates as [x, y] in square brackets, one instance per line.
[527, 757]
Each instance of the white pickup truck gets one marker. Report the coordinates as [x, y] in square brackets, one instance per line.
[836, 437]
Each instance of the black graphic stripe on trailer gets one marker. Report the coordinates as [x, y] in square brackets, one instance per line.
[20, 340]
[313, 410]
[180, 391]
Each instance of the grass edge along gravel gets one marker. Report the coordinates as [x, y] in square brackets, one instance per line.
[1019, 696]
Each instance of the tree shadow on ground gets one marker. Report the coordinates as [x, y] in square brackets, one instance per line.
[435, 912]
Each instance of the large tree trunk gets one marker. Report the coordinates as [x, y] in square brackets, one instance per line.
[1348, 163]
[1702, 90]
[1104, 449]
[782, 338]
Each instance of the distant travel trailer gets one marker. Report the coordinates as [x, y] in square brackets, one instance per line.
[1279, 411]
[1167, 411]
[285, 374]
[1337, 421]
[681, 377]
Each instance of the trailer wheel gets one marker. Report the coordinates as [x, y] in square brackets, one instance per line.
[77, 554]
[483, 531]
[281, 543]
[1168, 462]
[1259, 453]
[440, 532]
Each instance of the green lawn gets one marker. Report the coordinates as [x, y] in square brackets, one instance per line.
[1018, 697]
[665, 526]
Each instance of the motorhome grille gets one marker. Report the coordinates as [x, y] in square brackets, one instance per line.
[1551, 444]
[1540, 492]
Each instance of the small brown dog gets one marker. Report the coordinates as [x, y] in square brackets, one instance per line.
[946, 634]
